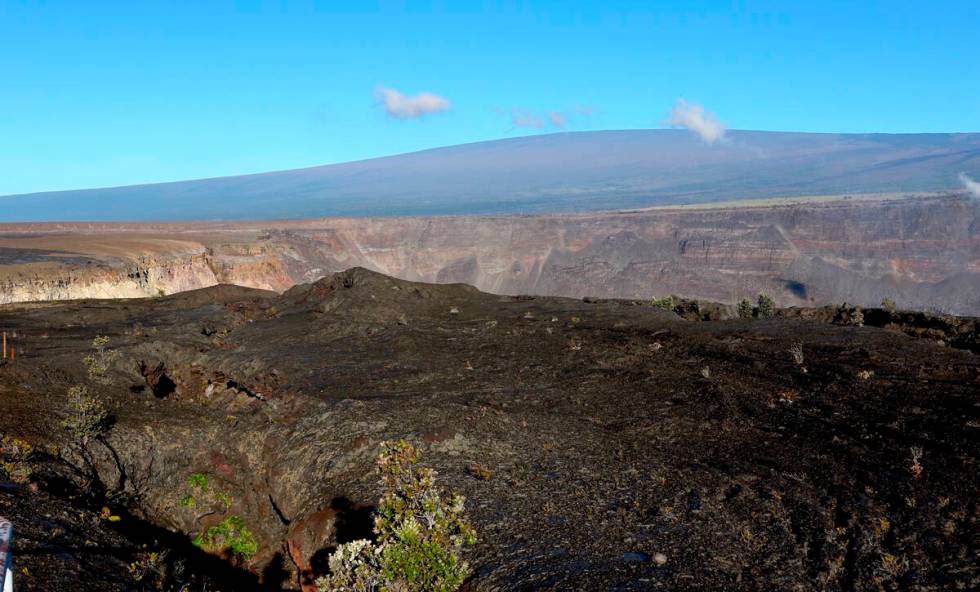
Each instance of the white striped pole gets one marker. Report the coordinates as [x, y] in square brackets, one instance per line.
[6, 556]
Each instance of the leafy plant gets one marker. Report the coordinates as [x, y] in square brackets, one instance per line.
[203, 494]
[767, 306]
[228, 536]
[198, 481]
[420, 533]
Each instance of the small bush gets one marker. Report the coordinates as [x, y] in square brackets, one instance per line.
[420, 533]
[849, 315]
[889, 305]
[87, 416]
[14, 454]
[202, 494]
[228, 536]
[666, 303]
[745, 309]
[198, 481]
[767, 306]
[99, 362]
[796, 352]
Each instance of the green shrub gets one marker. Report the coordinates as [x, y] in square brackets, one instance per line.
[14, 459]
[420, 533]
[204, 495]
[198, 481]
[767, 306]
[666, 303]
[87, 416]
[745, 309]
[228, 536]
[99, 362]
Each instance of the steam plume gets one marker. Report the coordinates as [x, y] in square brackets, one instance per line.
[693, 117]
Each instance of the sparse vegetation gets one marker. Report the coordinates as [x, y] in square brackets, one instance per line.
[479, 472]
[230, 536]
[420, 533]
[100, 360]
[767, 306]
[889, 305]
[915, 464]
[554, 446]
[745, 309]
[849, 315]
[666, 303]
[796, 352]
[198, 481]
[865, 374]
[14, 459]
[87, 418]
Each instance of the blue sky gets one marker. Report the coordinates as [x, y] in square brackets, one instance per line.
[98, 93]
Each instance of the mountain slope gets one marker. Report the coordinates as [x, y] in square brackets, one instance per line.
[560, 172]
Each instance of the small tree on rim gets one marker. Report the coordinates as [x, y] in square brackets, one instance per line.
[420, 533]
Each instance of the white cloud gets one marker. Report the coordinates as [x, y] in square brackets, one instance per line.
[524, 118]
[693, 117]
[973, 187]
[402, 106]
[558, 119]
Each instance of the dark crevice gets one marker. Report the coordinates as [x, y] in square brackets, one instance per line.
[240, 388]
[157, 379]
[275, 508]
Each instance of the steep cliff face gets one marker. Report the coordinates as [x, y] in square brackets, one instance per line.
[138, 278]
[106, 266]
[922, 253]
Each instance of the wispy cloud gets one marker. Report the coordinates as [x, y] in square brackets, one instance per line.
[401, 106]
[524, 118]
[972, 187]
[693, 117]
[558, 119]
